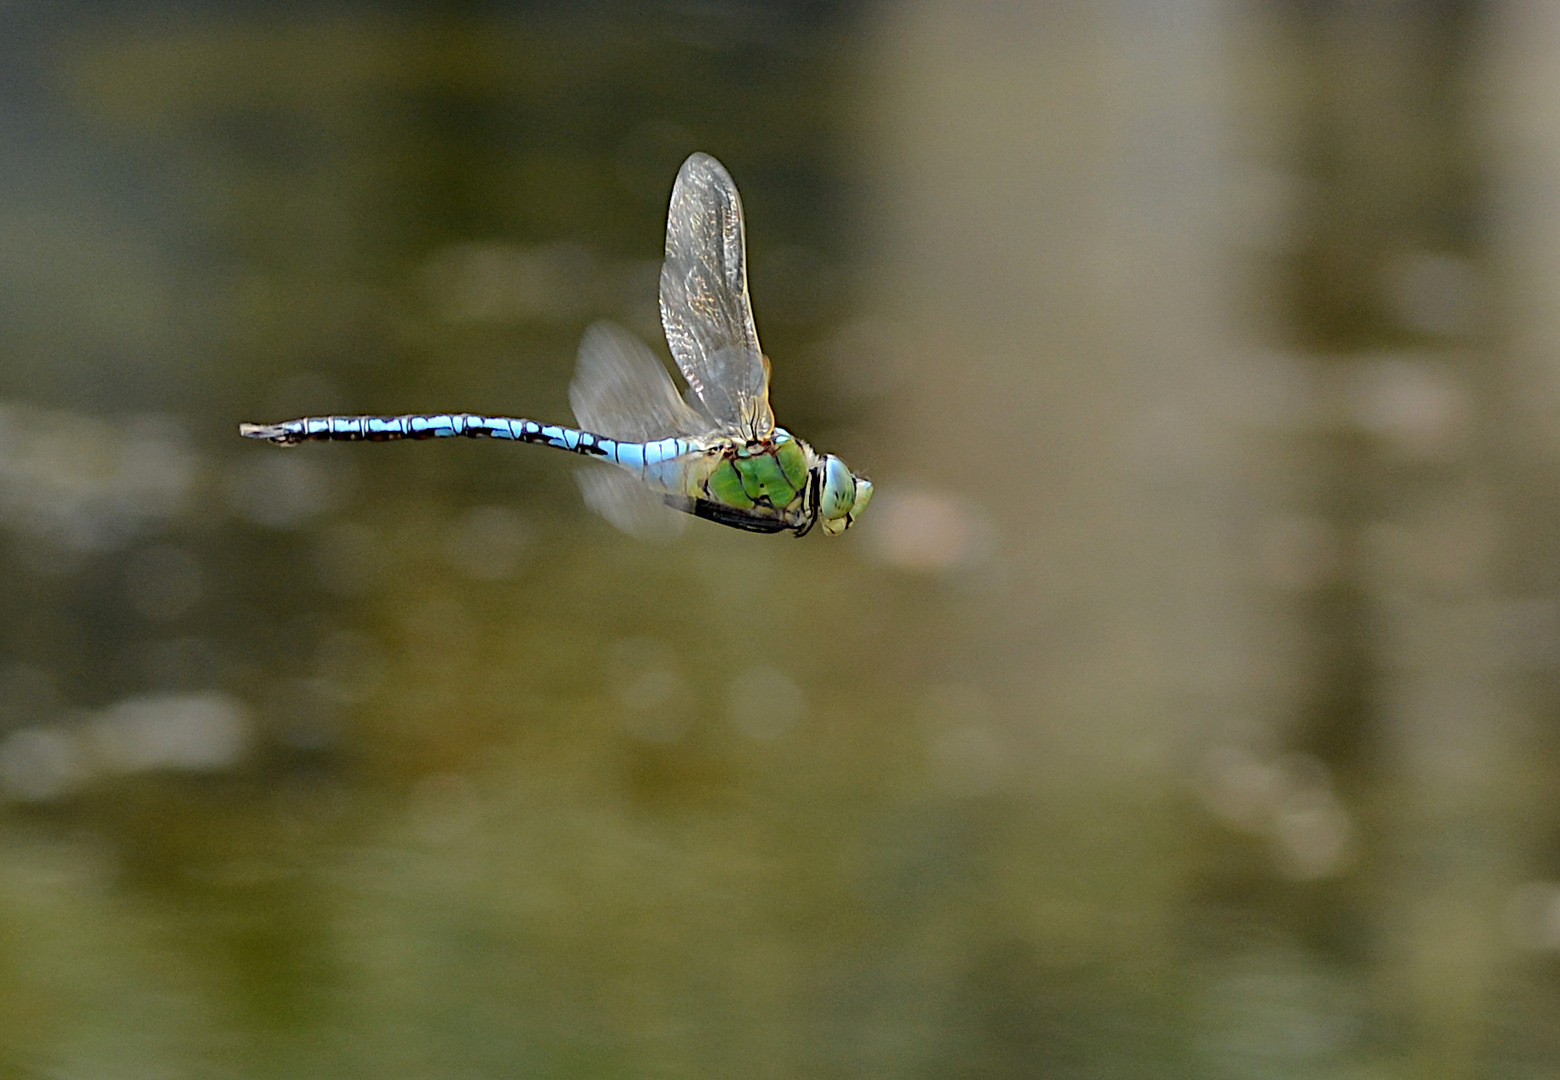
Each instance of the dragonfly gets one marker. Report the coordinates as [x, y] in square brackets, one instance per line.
[713, 452]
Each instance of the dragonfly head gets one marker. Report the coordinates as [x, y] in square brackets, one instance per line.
[841, 495]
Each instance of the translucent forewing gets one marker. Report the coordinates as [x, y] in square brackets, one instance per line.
[704, 301]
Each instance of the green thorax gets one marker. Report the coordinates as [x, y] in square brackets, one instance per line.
[769, 473]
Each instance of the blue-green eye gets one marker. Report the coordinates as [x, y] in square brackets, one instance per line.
[839, 489]
[841, 496]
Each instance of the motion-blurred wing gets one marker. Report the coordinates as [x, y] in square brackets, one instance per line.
[622, 391]
[704, 300]
[630, 505]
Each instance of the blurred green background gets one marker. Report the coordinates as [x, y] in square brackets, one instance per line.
[1184, 706]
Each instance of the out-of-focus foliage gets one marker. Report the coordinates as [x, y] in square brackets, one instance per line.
[1183, 705]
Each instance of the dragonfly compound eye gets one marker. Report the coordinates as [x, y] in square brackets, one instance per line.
[841, 497]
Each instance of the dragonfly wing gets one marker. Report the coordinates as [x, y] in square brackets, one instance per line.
[630, 505]
[704, 300]
[622, 391]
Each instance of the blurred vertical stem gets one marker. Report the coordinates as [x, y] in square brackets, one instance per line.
[1405, 691]
[1520, 101]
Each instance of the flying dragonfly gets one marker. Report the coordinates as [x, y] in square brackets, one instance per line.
[715, 452]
